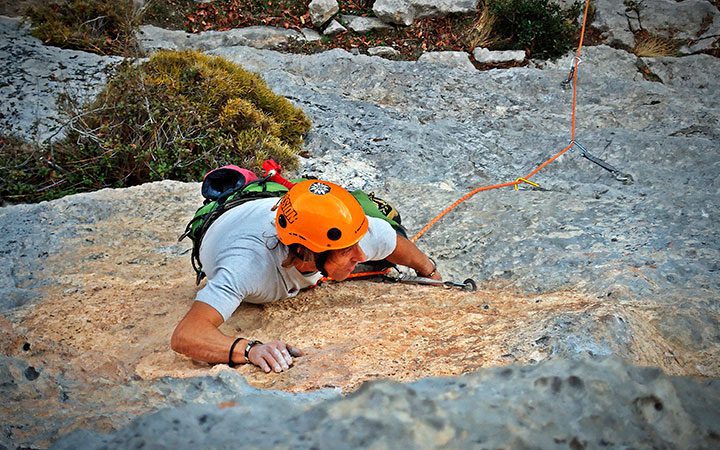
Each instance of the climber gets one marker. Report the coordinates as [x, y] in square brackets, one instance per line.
[267, 250]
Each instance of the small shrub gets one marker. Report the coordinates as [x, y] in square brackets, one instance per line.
[25, 169]
[173, 117]
[539, 27]
[102, 27]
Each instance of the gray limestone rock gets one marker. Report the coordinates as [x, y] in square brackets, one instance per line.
[559, 404]
[695, 21]
[460, 60]
[468, 128]
[322, 10]
[334, 28]
[484, 55]
[363, 24]
[153, 38]
[423, 135]
[311, 35]
[695, 72]
[399, 12]
[383, 51]
[404, 12]
[34, 75]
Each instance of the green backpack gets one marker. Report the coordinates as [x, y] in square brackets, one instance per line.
[219, 201]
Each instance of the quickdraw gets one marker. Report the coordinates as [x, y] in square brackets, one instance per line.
[623, 177]
[467, 285]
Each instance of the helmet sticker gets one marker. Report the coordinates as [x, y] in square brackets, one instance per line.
[319, 188]
[287, 210]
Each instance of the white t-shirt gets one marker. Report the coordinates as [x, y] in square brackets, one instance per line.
[242, 258]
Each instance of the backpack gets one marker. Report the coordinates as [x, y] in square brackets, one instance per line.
[230, 186]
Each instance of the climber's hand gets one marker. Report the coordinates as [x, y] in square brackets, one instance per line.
[275, 355]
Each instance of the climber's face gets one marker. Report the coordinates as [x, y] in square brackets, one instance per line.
[341, 263]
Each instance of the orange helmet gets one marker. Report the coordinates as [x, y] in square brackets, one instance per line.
[320, 216]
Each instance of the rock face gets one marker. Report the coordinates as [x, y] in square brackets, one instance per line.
[333, 28]
[404, 12]
[322, 10]
[29, 88]
[153, 38]
[459, 60]
[589, 266]
[364, 24]
[110, 261]
[695, 21]
[552, 405]
[483, 55]
[383, 51]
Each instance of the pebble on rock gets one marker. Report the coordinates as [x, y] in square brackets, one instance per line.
[383, 51]
[322, 10]
[484, 55]
[334, 28]
[460, 60]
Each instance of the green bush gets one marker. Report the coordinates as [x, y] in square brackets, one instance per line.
[175, 116]
[539, 27]
[102, 27]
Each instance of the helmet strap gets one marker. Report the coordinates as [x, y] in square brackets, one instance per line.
[320, 260]
[308, 256]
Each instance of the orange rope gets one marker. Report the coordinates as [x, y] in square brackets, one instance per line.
[465, 197]
[509, 183]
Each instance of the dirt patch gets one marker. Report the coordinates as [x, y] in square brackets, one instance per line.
[117, 327]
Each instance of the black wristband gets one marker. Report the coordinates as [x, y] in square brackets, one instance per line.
[232, 349]
[434, 270]
[250, 345]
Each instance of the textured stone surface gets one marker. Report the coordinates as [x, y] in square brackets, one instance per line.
[311, 35]
[459, 60]
[37, 75]
[404, 12]
[154, 38]
[463, 129]
[322, 10]
[363, 24]
[399, 12]
[552, 405]
[484, 55]
[334, 28]
[695, 21]
[94, 283]
[383, 51]
[122, 282]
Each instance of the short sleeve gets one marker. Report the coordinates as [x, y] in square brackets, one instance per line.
[379, 241]
[232, 281]
[221, 294]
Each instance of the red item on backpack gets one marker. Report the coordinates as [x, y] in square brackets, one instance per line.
[270, 166]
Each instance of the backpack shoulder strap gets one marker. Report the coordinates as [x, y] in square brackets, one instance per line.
[207, 214]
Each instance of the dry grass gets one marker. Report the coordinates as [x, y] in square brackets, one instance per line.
[480, 35]
[105, 28]
[654, 46]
